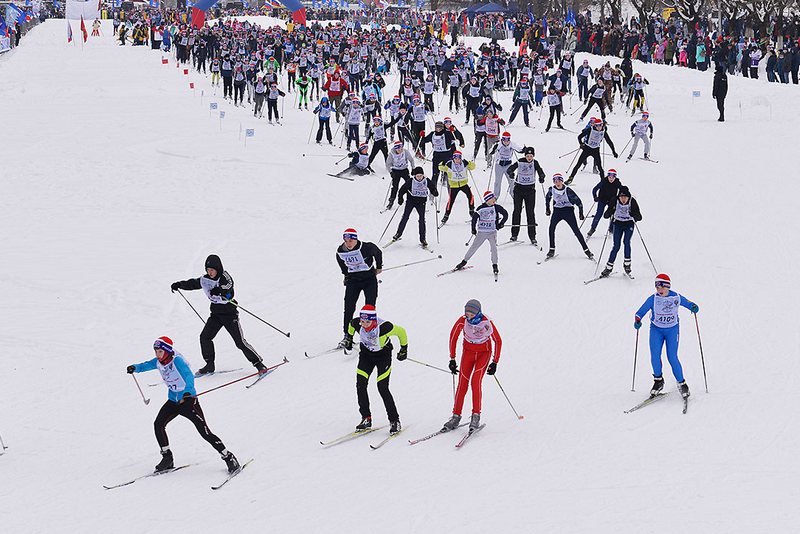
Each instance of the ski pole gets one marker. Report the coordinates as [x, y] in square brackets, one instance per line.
[268, 369]
[568, 153]
[145, 399]
[702, 358]
[587, 217]
[645, 248]
[436, 219]
[3, 444]
[190, 305]
[341, 160]
[411, 263]
[635, 354]
[454, 385]
[573, 159]
[385, 200]
[390, 222]
[626, 145]
[287, 334]
[520, 417]
[600, 257]
[469, 240]
[313, 117]
[429, 365]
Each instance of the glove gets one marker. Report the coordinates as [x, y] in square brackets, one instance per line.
[695, 308]
[453, 366]
[500, 226]
[187, 399]
[399, 201]
[403, 354]
[474, 232]
[461, 145]
[651, 136]
[216, 291]
[175, 286]
[348, 343]
[547, 212]
[131, 369]
[633, 134]
[492, 369]
[422, 133]
[637, 323]
[580, 216]
[615, 154]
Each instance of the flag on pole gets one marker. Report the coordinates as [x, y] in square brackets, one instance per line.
[83, 30]
[69, 32]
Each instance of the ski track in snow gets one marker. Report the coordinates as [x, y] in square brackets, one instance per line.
[116, 183]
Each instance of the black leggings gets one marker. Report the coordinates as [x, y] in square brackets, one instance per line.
[595, 153]
[231, 323]
[272, 107]
[565, 214]
[351, 292]
[190, 409]
[413, 203]
[367, 362]
[324, 124]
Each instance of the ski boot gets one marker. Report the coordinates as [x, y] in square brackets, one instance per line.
[534, 243]
[166, 462]
[395, 427]
[444, 219]
[390, 204]
[590, 233]
[551, 253]
[658, 385]
[629, 157]
[423, 243]
[231, 462]
[647, 157]
[461, 265]
[346, 343]
[627, 266]
[684, 389]
[607, 270]
[208, 368]
[512, 238]
[452, 423]
[588, 253]
[260, 367]
[364, 424]
[396, 237]
[474, 422]
[495, 270]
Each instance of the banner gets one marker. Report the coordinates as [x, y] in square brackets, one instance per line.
[76, 9]
[5, 44]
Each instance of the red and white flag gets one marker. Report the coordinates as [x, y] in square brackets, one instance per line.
[69, 32]
[83, 30]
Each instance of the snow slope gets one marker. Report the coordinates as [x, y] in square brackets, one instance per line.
[116, 183]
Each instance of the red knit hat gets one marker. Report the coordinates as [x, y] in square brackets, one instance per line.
[164, 343]
[663, 281]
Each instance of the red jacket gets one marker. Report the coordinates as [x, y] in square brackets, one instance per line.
[477, 338]
[334, 92]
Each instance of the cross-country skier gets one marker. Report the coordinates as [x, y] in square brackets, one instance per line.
[665, 330]
[596, 96]
[443, 142]
[487, 219]
[398, 162]
[457, 180]
[360, 264]
[181, 400]
[476, 351]
[375, 352]
[556, 108]
[640, 130]
[217, 284]
[604, 193]
[416, 191]
[359, 164]
[324, 109]
[564, 202]
[624, 214]
[501, 155]
[522, 174]
[589, 140]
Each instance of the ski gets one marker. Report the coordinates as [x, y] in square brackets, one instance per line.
[454, 270]
[385, 440]
[509, 242]
[352, 435]
[429, 436]
[546, 258]
[595, 279]
[263, 375]
[469, 435]
[649, 400]
[342, 177]
[426, 248]
[323, 353]
[197, 375]
[651, 160]
[148, 475]
[392, 242]
[629, 275]
[231, 475]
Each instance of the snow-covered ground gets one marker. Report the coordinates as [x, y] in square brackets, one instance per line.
[116, 182]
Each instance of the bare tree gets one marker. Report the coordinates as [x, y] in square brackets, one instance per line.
[688, 10]
[645, 8]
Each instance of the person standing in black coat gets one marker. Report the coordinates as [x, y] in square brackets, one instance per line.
[720, 90]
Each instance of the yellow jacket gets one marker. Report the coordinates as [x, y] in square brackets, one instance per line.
[457, 178]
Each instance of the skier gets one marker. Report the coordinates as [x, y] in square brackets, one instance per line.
[604, 193]
[624, 214]
[720, 90]
[639, 130]
[522, 100]
[476, 351]
[556, 108]
[443, 142]
[564, 202]
[377, 132]
[356, 261]
[589, 139]
[181, 400]
[272, 102]
[523, 190]
[324, 109]
[665, 330]
[456, 170]
[416, 192]
[400, 158]
[505, 150]
[375, 352]
[487, 219]
[217, 284]
[637, 84]
[596, 96]
[359, 165]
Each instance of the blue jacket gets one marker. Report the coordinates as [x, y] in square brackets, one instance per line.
[177, 375]
[648, 307]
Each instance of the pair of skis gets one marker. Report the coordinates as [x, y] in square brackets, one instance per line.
[461, 442]
[599, 277]
[180, 467]
[329, 351]
[655, 398]
[357, 434]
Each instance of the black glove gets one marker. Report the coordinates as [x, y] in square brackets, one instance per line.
[131, 369]
[187, 399]
[492, 369]
[547, 212]
[216, 291]
[615, 154]
[580, 216]
[403, 354]
[632, 134]
[500, 226]
[348, 343]
[399, 201]
[453, 366]
[175, 286]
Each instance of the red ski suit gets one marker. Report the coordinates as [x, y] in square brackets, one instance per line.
[476, 353]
